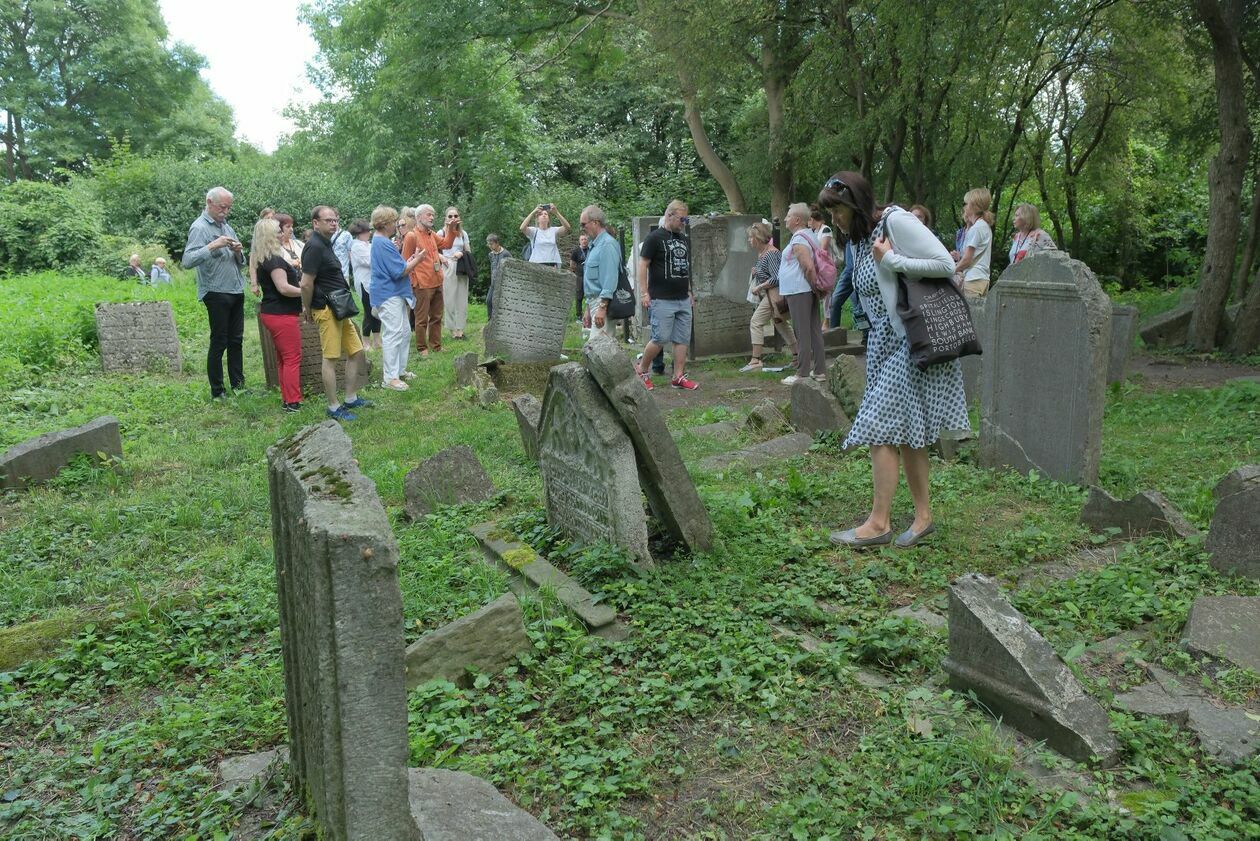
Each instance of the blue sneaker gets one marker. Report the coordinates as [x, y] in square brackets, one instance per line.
[358, 403]
[342, 414]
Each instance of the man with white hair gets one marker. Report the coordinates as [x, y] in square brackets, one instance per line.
[159, 274]
[426, 278]
[214, 250]
[601, 270]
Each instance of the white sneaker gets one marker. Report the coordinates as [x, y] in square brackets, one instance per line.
[792, 380]
[408, 375]
[396, 385]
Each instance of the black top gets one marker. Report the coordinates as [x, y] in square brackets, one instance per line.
[578, 256]
[137, 273]
[273, 303]
[669, 265]
[319, 259]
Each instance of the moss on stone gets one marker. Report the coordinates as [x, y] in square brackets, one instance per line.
[519, 558]
[38, 639]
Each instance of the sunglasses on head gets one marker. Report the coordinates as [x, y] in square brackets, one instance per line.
[837, 185]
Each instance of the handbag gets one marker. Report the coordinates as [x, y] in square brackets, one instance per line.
[937, 320]
[777, 300]
[342, 304]
[622, 303]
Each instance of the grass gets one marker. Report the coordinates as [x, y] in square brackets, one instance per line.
[138, 625]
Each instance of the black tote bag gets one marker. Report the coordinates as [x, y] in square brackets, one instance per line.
[937, 320]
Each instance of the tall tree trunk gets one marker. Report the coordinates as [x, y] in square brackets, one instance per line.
[775, 85]
[24, 165]
[1246, 338]
[1253, 233]
[1223, 21]
[10, 169]
[708, 155]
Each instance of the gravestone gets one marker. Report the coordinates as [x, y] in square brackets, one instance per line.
[137, 337]
[486, 640]
[1169, 329]
[973, 365]
[1044, 378]
[341, 635]
[41, 458]
[451, 477]
[465, 366]
[815, 408]
[846, 377]
[1226, 628]
[531, 311]
[1148, 512]
[1234, 534]
[310, 369]
[454, 806]
[662, 474]
[590, 477]
[766, 419]
[759, 455]
[528, 416]
[1123, 332]
[1017, 675]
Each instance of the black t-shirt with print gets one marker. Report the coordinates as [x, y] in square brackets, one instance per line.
[319, 259]
[669, 265]
[273, 303]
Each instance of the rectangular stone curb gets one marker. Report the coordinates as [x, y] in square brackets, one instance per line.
[40, 459]
[768, 452]
[528, 568]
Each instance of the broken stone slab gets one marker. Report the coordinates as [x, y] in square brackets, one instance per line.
[487, 392]
[846, 377]
[871, 679]
[815, 408]
[951, 442]
[40, 459]
[1168, 329]
[528, 411]
[1148, 512]
[1016, 674]
[766, 419]
[1151, 700]
[1229, 735]
[662, 474]
[465, 366]
[531, 572]
[452, 476]
[804, 640]
[1123, 646]
[454, 806]
[768, 452]
[1225, 628]
[1234, 534]
[249, 776]
[719, 431]
[486, 641]
[520, 377]
[929, 619]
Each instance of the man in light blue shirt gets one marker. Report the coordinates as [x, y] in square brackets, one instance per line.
[215, 252]
[603, 264]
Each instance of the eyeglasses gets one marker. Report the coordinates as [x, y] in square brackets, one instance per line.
[837, 185]
[330, 219]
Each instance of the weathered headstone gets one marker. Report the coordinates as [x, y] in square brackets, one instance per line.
[40, 459]
[766, 419]
[341, 635]
[486, 640]
[137, 337]
[1044, 379]
[465, 365]
[532, 303]
[528, 416]
[1226, 628]
[973, 366]
[815, 408]
[1148, 512]
[846, 377]
[1168, 329]
[1234, 535]
[1123, 331]
[767, 452]
[310, 369]
[1016, 674]
[450, 477]
[454, 806]
[662, 474]
[590, 478]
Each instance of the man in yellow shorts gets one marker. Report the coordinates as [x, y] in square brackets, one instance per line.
[321, 277]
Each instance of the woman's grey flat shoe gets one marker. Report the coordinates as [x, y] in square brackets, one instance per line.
[908, 538]
[849, 538]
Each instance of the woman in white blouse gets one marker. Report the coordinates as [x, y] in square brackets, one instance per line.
[542, 237]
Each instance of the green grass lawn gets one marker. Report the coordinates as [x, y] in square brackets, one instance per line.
[145, 594]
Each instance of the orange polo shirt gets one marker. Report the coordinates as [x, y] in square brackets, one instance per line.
[428, 273]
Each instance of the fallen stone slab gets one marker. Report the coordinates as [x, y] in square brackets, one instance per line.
[487, 393]
[452, 476]
[1225, 628]
[846, 377]
[719, 431]
[1016, 674]
[1148, 512]
[871, 679]
[40, 459]
[1124, 645]
[1234, 534]
[815, 408]
[804, 640]
[766, 419]
[531, 572]
[929, 619]
[768, 452]
[1168, 328]
[252, 770]
[528, 409]
[454, 806]
[485, 641]
[1230, 736]
[1151, 700]
[465, 366]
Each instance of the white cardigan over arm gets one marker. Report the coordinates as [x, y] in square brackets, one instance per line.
[915, 252]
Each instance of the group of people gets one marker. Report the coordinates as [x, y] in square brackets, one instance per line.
[157, 272]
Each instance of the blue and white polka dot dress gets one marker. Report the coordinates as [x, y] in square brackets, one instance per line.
[902, 405]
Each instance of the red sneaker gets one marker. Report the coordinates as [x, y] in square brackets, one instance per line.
[681, 381]
[647, 381]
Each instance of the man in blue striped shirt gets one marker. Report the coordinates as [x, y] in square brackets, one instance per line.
[215, 252]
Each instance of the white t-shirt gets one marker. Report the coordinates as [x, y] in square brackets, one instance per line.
[544, 249]
[979, 237]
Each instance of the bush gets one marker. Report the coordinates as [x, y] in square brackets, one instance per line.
[46, 226]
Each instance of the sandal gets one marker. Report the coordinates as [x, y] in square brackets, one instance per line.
[753, 365]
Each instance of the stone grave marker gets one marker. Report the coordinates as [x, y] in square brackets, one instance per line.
[1016, 674]
[1226, 628]
[532, 303]
[766, 418]
[310, 369]
[1123, 331]
[43, 457]
[1169, 329]
[528, 416]
[662, 474]
[721, 262]
[815, 408]
[486, 640]
[450, 477]
[136, 337]
[454, 806]
[972, 366]
[1144, 513]
[1234, 535]
[1044, 378]
[590, 477]
[846, 377]
[465, 366]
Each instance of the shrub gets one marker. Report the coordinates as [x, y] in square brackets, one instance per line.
[45, 226]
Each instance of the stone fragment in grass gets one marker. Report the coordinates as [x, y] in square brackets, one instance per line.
[42, 458]
[719, 431]
[528, 411]
[767, 452]
[1017, 675]
[252, 771]
[815, 408]
[1225, 628]
[454, 806]
[1167, 329]
[487, 393]
[766, 419]
[1148, 512]
[1234, 535]
[929, 619]
[465, 365]
[486, 641]
[1150, 699]
[452, 476]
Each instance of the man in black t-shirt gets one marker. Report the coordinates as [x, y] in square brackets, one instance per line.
[321, 277]
[664, 282]
[577, 259]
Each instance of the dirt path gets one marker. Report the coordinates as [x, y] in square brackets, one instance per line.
[1172, 372]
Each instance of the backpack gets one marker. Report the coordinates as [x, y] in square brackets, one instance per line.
[824, 269]
[527, 249]
[622, 303]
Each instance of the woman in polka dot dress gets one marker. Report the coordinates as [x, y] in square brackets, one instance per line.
[904, 409]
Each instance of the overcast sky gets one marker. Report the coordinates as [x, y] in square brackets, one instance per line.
[256, 53]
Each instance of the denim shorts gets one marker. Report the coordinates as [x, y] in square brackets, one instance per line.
[670, 321]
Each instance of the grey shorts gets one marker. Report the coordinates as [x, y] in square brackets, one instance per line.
[670, 321]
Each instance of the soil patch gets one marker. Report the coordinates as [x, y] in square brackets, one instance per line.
[1173, 372]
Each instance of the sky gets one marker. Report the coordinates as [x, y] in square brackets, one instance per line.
[256, 53]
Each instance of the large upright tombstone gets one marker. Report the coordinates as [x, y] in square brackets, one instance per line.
[310, 369]
[590, 478]
[341, 627]
[138, 336]
[532, 303]
[1044, 378]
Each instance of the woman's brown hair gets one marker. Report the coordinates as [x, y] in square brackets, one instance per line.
[854, 191]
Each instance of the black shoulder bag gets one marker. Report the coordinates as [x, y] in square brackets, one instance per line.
[937, 320]
[341, 302]
[622, 303]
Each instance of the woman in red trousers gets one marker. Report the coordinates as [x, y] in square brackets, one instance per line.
[274, 276]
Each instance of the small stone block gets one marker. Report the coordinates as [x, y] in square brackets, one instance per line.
[486, 641]
[451, 477]
[766, 419]
[719, 431]
[1234, 535]
[1150, 700]
[528, 411]
[454, 806]
[927, 618]
[465, 366]
[815, 408]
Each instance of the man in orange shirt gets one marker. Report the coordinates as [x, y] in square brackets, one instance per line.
[426, 278]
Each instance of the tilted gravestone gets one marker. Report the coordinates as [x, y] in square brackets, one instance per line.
[465, 366]
[1044, 381]
[40, 459]
[1015, 673]
[311, 367]
[1123, 331]
[450, 477]
[590, 478]
[816, 409]
[137, 337]
[1168, 329]
[528, 416]
[531, 311]
[1234, 534]
[1144, 513]
[486, 640]
[662, 474]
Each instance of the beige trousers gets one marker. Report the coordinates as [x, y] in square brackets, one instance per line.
[455, 297]
[763, 324]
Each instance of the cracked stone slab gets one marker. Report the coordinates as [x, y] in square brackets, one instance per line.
[719, 431]
[454, 806]
[766, 419]
[243, 772]
[816, 409]
[1234, 535]
[1150, 699]
[42, 458]
[1148, 512]
[450, 477]
[1225, 628]
[768, 452]
[528, 412]
[486, 641]
[1230, 735]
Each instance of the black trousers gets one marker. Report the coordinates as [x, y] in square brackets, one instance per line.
[227, 328]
